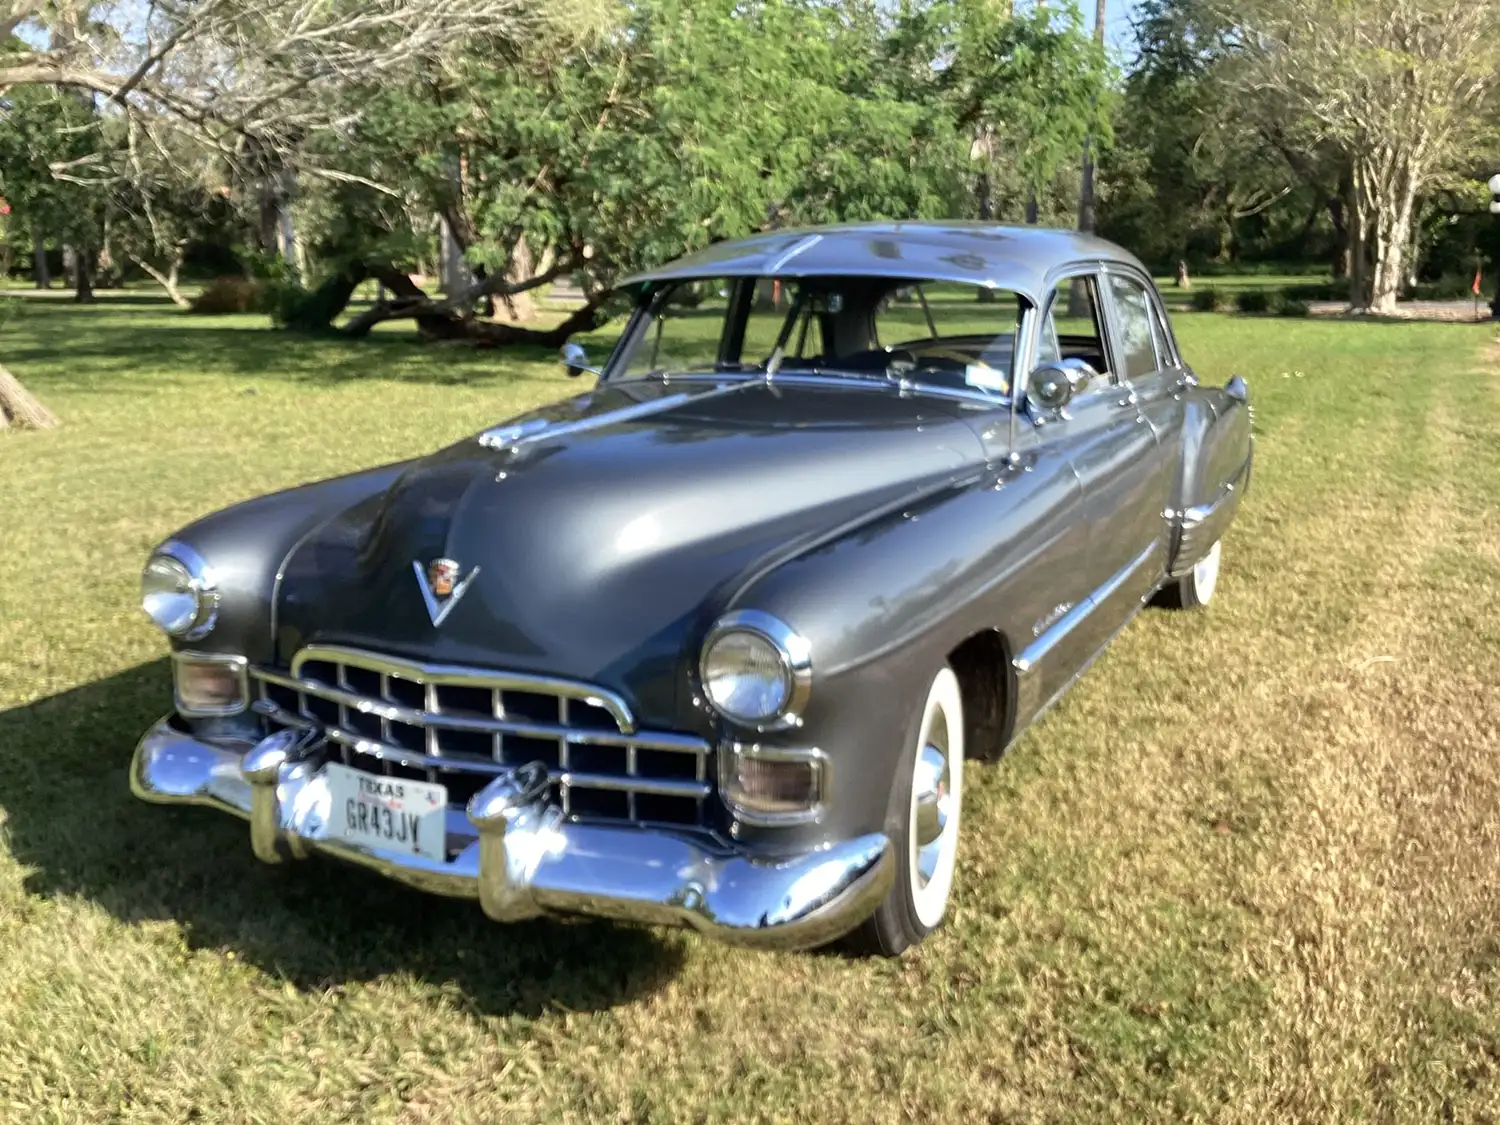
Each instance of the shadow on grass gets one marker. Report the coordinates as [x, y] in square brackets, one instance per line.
[319, 924]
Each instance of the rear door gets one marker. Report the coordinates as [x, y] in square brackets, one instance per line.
[1112, 451]
[1154, 374]
[1116, 458]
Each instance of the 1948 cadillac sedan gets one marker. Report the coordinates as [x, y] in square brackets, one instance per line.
[709, 643]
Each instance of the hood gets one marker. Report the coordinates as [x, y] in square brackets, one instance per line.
[621, 524]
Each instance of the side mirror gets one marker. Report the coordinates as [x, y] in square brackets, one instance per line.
[1053, 385]
[576, 360]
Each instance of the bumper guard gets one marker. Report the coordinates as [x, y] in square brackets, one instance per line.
[523, 859]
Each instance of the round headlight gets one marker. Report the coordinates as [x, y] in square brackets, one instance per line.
[755, 670]
[178, 595]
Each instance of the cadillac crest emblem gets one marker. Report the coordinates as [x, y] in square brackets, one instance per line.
[441, 586]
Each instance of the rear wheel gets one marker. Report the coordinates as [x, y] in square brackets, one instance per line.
[926, 796]
[1196, 587]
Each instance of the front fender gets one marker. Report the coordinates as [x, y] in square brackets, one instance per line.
[246, 545]
[884, 605]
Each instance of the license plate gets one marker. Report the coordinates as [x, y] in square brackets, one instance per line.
[389, 813]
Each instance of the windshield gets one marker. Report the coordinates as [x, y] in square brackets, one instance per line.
[942, 333]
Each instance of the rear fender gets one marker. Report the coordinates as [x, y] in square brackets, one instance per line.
[1216, 455]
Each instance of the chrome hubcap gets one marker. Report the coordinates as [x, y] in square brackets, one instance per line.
[930, 785]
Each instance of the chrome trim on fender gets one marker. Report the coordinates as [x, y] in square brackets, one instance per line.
[1030, 656]
[240, 666]
[521, 858]
[796, 658]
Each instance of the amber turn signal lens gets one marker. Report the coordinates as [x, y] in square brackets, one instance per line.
[209, 687]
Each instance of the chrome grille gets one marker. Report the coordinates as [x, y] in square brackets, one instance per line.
[461, 726]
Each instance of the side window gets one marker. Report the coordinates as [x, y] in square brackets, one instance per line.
[684, 332]
[1072, 328]
[1137, 334]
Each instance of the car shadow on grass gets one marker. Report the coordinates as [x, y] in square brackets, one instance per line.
[70, 819]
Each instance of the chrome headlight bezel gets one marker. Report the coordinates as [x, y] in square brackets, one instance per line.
[793, 654]
[198, 582]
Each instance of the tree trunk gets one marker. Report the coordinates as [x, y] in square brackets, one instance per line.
[39, 261]
[1388, 198]
[1086, 209]
[1339, 218]
[83, 276]
[19, 408]
[520, 307]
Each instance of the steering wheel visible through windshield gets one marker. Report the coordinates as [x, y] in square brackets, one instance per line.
[942, 333]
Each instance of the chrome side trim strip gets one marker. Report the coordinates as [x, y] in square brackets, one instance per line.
[1030, 656]
[526, 433]
[458, 676]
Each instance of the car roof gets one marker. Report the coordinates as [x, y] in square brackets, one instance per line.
[986, 254]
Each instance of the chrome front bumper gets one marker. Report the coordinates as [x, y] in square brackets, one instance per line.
[524, 860]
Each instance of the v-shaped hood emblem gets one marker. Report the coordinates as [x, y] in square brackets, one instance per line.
[441, 587]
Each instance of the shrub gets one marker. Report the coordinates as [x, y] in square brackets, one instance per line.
[1257, 300]
[1318, 291]
[1293, 307]
[224, 295]
[1208, 299]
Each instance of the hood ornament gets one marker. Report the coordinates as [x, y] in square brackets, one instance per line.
[441, 586]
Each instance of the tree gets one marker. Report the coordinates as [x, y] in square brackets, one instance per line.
[1405, 89]
[689, 123]
[1195, 157]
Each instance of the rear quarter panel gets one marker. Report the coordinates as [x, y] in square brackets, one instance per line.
[1215, 470]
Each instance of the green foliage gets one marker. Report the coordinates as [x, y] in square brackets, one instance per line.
[1289, 306]
[225, 295]
[1209, 299]
[1257, 300]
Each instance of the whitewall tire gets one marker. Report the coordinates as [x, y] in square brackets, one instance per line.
[927, 797]
[1197, 586]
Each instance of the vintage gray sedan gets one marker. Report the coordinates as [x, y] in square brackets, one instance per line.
[708, 644]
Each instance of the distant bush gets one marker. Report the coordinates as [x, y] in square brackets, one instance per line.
[1318, 291]
[225, 295]
[1257, 300]
[1290, 306]
[1209, 299]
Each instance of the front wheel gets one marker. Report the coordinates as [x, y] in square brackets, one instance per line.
[926, 796]
[1196, 587]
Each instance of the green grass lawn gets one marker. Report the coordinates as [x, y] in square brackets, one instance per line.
[1245, 872]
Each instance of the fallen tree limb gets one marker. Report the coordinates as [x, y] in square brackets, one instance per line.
[19, 408]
